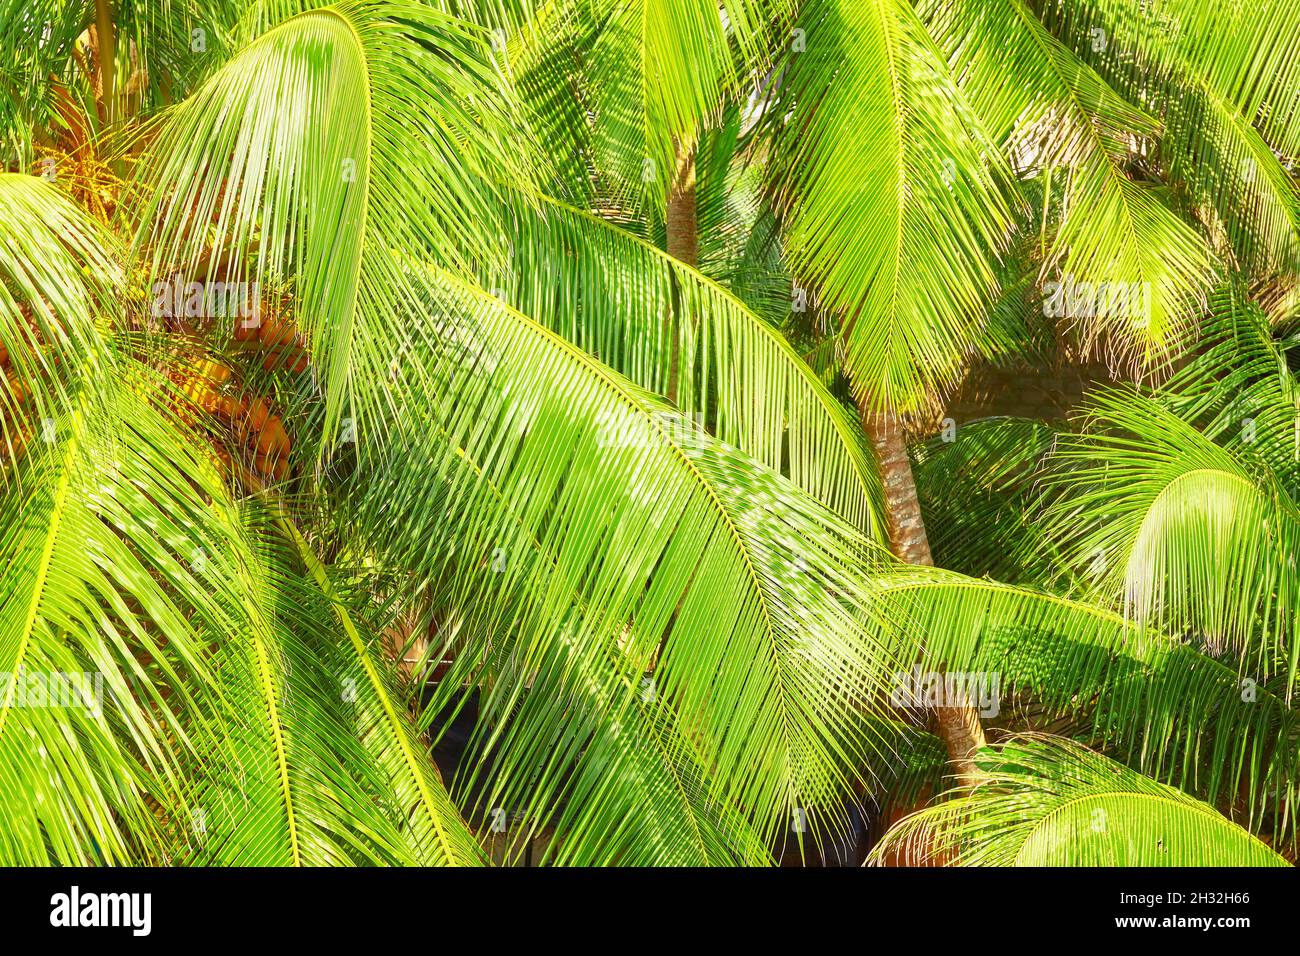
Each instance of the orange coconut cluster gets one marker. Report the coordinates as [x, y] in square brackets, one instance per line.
[250, 419]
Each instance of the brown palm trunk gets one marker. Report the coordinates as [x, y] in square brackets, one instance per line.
[107, 54]
[683, 240]
[958, 727]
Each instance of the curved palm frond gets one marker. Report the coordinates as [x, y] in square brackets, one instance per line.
[1219, 77]
[363, 125]
[1134, 272]
[678, 642]
[1192, 537]
[1162, 706]
[740, 244]
[1050, 802]
[1240, 50]
[978, 491]
[1230, 168]
[648, 74]
[1239, 389]
[57, 280]
[115, 560]
[587, 528]
[291, 784]
[893, 196]
[413, 795]
[608, 292]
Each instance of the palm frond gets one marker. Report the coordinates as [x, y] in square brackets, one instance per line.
[1052, 110]
[610, 293]
[369, 124]
[1192, 538]
[1050, 802]
[116, 568]
[1162, 706]
[1230, 168]
[978, 492]
[579, 514]
[1241, 50]
[651, 73]
[892, 194]
[429, 822]
[57, 279]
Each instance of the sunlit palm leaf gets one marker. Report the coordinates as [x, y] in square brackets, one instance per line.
[57, 279]
[1053, 110]
[890, 193]
[1164, 707]
[1191, 537]
[114, 558]
[650, 73]
[1049, 802]
[609, 292]
[361, 123]
[591, 512]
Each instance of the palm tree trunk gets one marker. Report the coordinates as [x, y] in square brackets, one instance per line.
[958, 727]
[107, 52]
[683, 240]
[679, 216]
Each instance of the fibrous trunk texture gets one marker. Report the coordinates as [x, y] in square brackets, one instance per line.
[958, 726]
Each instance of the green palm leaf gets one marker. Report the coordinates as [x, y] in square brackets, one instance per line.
[1116, 235]
[340, 129]
[1162, 706]
[112, 550]
[1193, 538]
[1053, 803]
[57, 279]
[650, 74]
[608, 292]
[742, 593]
[892, 195]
